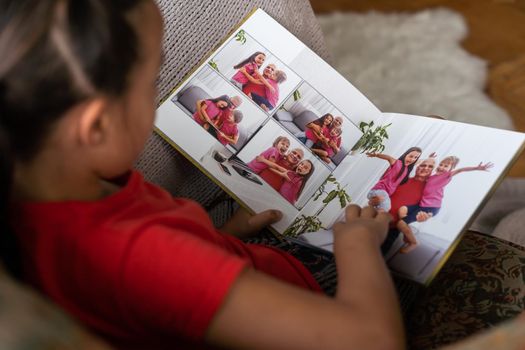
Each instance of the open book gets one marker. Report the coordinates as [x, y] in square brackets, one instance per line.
[277, 127]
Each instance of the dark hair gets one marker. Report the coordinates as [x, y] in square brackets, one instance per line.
[55, 54]
[410, 167]
[248, 60]
[305, 177]
[224, 98]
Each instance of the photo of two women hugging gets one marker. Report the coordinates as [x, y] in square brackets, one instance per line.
[284, 170]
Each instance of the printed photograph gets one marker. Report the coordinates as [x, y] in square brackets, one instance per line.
[255, 72]
[284, 164]
[219, 108]
[321, 127]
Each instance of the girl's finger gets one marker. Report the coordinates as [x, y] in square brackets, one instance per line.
[383, 216]
[368, 212]
[352, 212]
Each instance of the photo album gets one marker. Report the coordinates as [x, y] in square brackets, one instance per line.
[278, 128]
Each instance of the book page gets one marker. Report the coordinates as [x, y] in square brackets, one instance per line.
[456, 168]
[258, 117]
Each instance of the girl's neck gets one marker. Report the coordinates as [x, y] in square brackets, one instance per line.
[47, 179]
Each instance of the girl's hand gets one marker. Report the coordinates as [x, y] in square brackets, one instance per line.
[485, 167]
[371, 154]
[410, 243]
[242, 224]
[366, 221]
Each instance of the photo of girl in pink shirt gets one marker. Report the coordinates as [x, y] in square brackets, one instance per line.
[395, 175]
[294, 180]
[330, 145]
[433, 192]
[263, 88]
[273, 154]
[226, 127]
[246, 69]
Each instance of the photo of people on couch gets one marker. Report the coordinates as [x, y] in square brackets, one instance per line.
[314, 121]
[219, 108]
[284, 163]
[255, 71]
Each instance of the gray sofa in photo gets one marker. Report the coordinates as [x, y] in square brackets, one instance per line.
[296, 123]
[187, 100]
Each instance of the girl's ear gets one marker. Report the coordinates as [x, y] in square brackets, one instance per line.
[93, 122]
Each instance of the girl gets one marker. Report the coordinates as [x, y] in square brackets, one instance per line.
[330, 147]
[316, 130]
[227, 130]
[264, 89]
[273, 154]
[139, 267]
[208, 111]
[395, 175]
[294, 180]
[247, 68]
[433, 192]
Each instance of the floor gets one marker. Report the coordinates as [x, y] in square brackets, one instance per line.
[497, 34]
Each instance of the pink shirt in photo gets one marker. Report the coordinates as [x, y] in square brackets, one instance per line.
[290, 189]
[271, 152]
[434, 190]
[328, 148]
[272, 97]
[229, 129]
[388, 182]
[240, 77]
[211, 109]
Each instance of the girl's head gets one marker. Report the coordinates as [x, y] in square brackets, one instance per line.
[257, 57]
[222, 102]
[326, 119]
[336, 132]
[236, 117]
[411, 156]
[77, 85]
[447, 164]
[305, 169]
[282, 143]
[408, 159]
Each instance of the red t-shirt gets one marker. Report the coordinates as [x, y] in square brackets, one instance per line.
[407, 194]
[140, 267]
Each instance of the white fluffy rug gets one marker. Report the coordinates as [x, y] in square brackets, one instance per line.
[413, 63]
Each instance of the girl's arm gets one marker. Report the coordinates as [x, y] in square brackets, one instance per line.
[481, 166]
[261, 312]
[251, 79]
[231, 139]
[283, 174]
[201, 108]
[270, 163]
[386, 157]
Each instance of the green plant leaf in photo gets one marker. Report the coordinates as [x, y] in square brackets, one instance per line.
[241, 37]
[214, 65]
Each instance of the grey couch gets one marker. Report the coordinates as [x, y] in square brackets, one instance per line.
[297, 123]
[187, 100]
